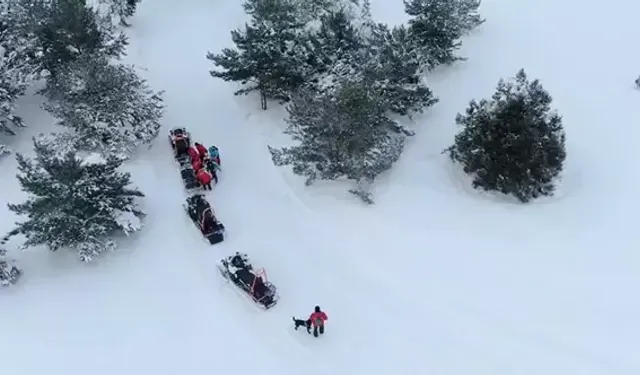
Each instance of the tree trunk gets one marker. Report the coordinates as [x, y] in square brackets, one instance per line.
[263, 100]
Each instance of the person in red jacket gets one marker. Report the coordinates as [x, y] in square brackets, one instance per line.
[318, 317]
[202, 151]
[196, 164]
[204, 178]
[193, 153]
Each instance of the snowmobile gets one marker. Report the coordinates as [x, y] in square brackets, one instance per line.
[202, 215]
[238, 269]
[180, 141]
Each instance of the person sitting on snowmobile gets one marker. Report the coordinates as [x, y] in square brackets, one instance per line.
[239, 261]
[181, 146]
[318, 317]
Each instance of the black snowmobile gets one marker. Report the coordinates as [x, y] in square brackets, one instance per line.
[254, 283]
[201, 213]
[188, 176]
[180, 141]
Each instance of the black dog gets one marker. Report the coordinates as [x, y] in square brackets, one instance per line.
[302, 323]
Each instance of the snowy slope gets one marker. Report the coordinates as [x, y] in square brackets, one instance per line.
[435, 279]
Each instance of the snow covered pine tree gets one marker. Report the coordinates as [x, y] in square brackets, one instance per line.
[63, 31]
[121, 10]
[10, 90]
[270, 53]
[109, 107]
[342, 134]
[514, 143]
[74, 203]
[17, 69]
[9, 273]
[436, 27]
[393, 68]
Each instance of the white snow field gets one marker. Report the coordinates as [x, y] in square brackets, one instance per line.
[434, 279]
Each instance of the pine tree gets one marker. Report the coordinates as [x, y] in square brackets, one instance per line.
[9, 272]
[10, 91]
[62, 30]
[121, 10]
[342, 134]
[337, 52]
[638, 82]
[513, 143]
[107, 105]
[74, 203]
[436, 27]
[270, 54]
[393, 68]
[16, 73]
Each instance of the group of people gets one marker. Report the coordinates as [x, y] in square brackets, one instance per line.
[204, 164]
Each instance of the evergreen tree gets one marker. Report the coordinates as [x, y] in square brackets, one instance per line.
[393, 69]
[436, 27]
[337, 52]
[270, 54]
[10, 90]
[120, 10]
[74, 203]
[62, 30]
[108, 106]
[513, 143]
[638, 82]
[342, 134]
[9, 273]
[16, 73]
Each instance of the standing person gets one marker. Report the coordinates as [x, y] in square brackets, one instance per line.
[193, 154]
[202, 151]
[196, 165]
[204, 178]
[318, 317]
[214, 153]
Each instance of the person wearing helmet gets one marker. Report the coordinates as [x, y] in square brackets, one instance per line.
[318, 318]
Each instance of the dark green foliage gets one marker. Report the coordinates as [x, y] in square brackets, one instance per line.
[337, 51]
[394, 72]
[345, 134]
[59, 31]
[108, 106]
[436, 27]
[10, 91]
[383, 57]
[513, 143]
[122, 9]
[269, 55]
[74, 203]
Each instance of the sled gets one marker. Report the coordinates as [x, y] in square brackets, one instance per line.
[248, 280]
[203, 217]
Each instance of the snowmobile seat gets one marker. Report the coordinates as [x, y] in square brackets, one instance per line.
[189, 178]
[181, 145]
[245, 276]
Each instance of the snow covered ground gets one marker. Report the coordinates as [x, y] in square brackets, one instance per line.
[434, 279]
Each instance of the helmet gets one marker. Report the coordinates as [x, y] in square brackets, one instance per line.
[317, 309]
